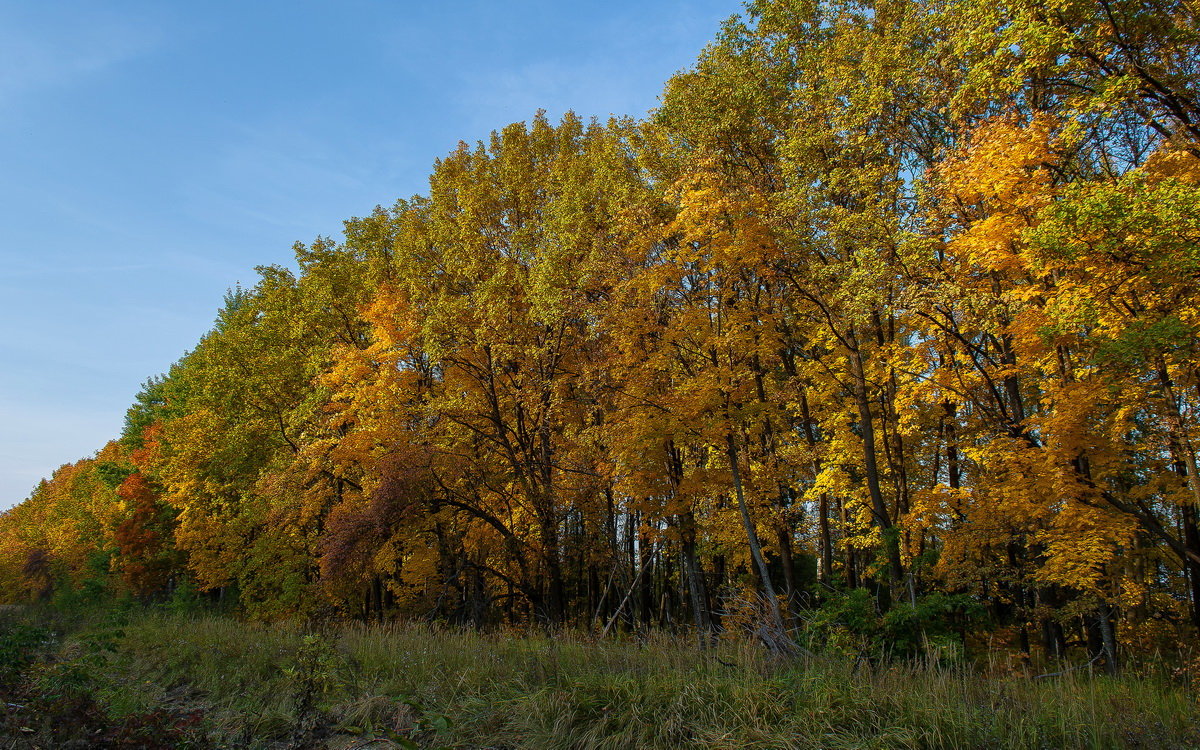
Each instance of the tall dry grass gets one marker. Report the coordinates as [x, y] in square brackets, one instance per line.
[413, 686]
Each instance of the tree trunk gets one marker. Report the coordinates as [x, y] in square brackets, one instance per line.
[1107, 638]
[697, 588]
[825, 539]
[760, 563]
[879, 507]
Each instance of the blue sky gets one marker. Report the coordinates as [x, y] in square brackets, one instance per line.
[151, 154]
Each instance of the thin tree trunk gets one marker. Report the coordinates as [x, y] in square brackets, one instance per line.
[871, 467]
[752, 535]
[697, 588]
[1108, 639]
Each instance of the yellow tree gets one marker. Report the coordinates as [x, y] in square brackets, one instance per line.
[696, 333]
[484, 338]
[1062, 308]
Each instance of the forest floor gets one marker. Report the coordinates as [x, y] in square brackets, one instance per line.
[159, 680]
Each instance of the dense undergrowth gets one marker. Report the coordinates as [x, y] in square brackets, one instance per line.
[142, 679]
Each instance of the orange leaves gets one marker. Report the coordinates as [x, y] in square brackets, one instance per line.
[1173, 161]
[1004, 164]
[145, 539]
[723, 225]
[997, 183]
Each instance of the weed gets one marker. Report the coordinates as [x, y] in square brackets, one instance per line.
[312, 677]
[21, 645]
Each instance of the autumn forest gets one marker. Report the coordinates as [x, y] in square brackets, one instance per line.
[882, 330]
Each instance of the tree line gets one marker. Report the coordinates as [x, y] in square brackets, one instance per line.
[891, 303]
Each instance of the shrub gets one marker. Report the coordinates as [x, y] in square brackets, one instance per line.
[848, 622]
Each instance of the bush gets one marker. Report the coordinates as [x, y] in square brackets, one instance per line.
[21, 645]
[934, 626]
[848, 622]
[184, 599]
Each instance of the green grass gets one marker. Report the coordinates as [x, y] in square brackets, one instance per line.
[423, 687]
